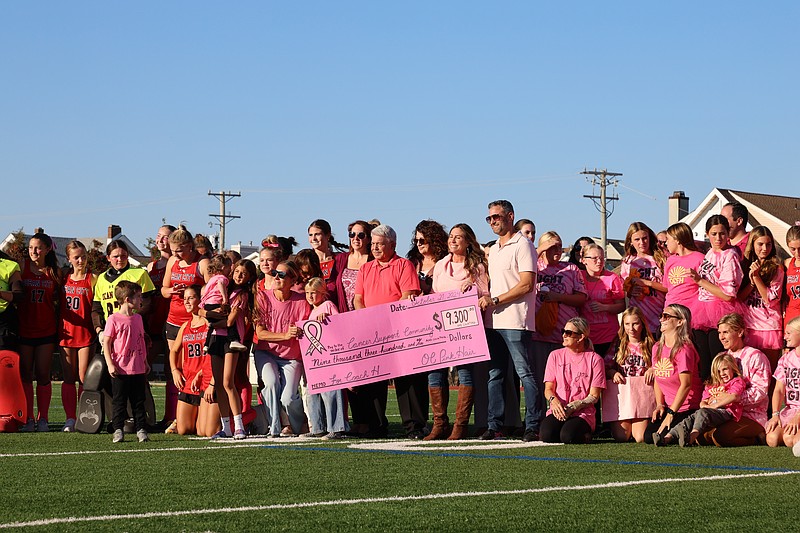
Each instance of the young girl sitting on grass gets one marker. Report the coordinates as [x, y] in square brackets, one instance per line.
[625, 409]
[720, 403]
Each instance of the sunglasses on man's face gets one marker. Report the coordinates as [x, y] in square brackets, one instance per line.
[361, 235]
[279, 274]
[496, 216]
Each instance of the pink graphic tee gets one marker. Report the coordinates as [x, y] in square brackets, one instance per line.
[755, 369]
[652, 304]
[633, 365]
[734, 386]
[603, 326]
[574, 375]
[788, 373]
[667, 375]
[764, 315]
[563, 278]
[681, 288]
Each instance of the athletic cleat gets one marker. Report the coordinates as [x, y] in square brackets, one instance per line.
[239, 434]
[142, 436]
[29, 427]
[69, 426]
[42, 426]
[119, 436]
[220, 435]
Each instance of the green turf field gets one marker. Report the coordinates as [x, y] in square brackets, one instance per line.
[75, 482]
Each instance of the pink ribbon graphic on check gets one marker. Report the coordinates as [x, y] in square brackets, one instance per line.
[313, 332]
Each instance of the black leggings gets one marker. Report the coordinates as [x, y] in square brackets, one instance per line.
[652, 427]
[708, 346]
[573, 430]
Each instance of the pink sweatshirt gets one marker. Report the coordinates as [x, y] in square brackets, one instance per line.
[755, 370]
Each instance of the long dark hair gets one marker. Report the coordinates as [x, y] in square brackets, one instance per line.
[325, 226]
[771, 263]
[50, 268]
[434, 233]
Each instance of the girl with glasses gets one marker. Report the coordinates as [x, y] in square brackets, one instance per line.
[678, 387]
[605, 298]
[573, 381]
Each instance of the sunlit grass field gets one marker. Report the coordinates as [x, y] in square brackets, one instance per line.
[76, 482]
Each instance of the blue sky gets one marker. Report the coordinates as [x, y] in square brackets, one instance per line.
[127, 113]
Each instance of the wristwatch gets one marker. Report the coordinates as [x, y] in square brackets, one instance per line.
[495, 301]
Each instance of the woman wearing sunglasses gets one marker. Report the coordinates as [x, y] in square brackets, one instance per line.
[675, 369]
[349, 263]
[428, 246]
[277, 355]
[573, 380]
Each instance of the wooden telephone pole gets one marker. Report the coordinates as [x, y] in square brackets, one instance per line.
[603, 178]
[223, 217]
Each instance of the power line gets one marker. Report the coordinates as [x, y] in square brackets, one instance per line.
[223, 217]
[603, 178]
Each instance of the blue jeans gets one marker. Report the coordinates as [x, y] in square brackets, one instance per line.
[281, 378]
[439, 378]
[326, 412]
[514, 342]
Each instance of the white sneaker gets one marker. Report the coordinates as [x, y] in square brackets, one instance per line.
[69, 425]
[142, 436]
[796, 449]
[42, 426]
[237, 346]
[119, 436]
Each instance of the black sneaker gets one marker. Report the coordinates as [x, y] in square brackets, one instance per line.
[491, 434]
[417, 434]
[530, 435]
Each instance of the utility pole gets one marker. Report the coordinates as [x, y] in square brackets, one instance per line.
[223, 217]
[603, 178]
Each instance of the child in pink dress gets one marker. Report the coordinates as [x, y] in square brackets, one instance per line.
[125, 352]
[720, 403]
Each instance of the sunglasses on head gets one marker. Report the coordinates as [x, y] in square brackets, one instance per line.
[570, 333]
[361, 235]
[278, 274]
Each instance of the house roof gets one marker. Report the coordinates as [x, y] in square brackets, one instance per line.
[136, 257]
[777, 213]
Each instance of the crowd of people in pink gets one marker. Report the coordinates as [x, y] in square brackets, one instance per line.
[686, 343]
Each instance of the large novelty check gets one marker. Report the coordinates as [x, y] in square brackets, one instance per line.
[391, 340]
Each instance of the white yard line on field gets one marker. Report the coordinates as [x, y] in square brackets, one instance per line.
[387, 499]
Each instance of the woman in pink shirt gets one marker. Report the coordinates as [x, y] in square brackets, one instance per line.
[605, 298]
[761, 291]
[277, 354]
[573, 381]
[642, 271]
[718, 279]
[461, 270]
[677, 385]
[754, 365]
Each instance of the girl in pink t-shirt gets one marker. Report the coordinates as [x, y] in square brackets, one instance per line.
[718, 279]
[627, 409]
[642, 271]
[721, 403]
[761, 291]
[792, 266]
[784, 426]
[574, 379]
[683, 257]
[678, 387]
[605, 298]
